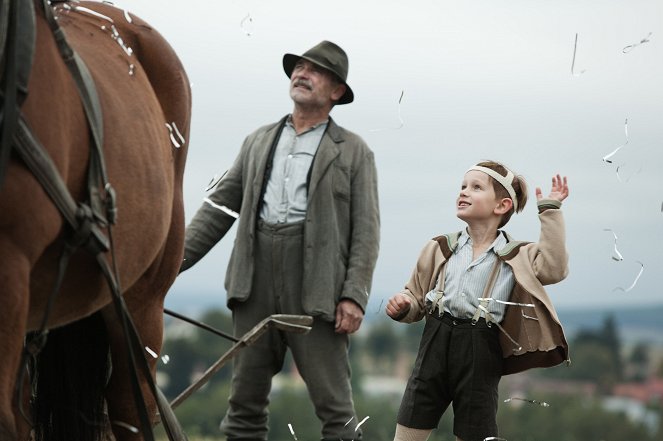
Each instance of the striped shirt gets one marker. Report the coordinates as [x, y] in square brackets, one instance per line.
[465, 279]
[286, 195]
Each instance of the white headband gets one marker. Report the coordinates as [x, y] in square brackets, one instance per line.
[505, 181]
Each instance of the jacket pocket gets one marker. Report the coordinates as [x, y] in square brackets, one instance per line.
[341, 182]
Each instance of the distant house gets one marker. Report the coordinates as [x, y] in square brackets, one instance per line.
[649, 392]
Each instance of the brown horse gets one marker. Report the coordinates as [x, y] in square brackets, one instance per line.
[141, 86]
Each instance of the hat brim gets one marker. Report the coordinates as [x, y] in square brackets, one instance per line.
[289, 61]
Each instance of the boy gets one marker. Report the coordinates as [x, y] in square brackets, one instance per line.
[487, 314]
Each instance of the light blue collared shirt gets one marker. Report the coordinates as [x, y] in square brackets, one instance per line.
[465, 279]
[286, 195]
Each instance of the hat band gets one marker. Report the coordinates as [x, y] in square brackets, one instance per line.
[505, 181]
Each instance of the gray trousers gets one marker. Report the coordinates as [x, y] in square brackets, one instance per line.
[321, 356]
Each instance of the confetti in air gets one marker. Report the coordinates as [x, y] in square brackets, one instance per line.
[573, 61]
[151, 352]
[494, 438]
[504, 302]
[127, 16]
[630, 47]
[223, 208]
[350, 420]
[292, 431]
[115, 35]
[516, 347]
[173, 140]
[529, 316]
[165, 359]
[360, 423]
[88, 11]
[617, 256]
[215, 181]
[247, 25]
[380, 307]
[179, 135]
[630, 176]
[124, 425]
[400, 119]
[642, 268]
[607, 157]
[540, 403]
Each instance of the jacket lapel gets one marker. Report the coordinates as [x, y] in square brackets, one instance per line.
[272, 136]
[328, 150]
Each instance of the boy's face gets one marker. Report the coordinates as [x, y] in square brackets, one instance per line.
[477, 200]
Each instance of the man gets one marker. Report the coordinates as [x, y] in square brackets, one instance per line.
[307, 243]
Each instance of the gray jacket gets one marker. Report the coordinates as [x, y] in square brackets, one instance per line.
[341, 230]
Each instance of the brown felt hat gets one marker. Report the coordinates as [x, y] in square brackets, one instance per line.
[329, 56]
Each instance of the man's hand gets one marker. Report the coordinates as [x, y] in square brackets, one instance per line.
[397, 305]
[348, 317]
[559, 190]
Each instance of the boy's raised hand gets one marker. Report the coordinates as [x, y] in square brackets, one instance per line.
[397, 305]
[559, 190]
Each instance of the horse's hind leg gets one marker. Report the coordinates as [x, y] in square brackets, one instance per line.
[147, 314]
[14, 303]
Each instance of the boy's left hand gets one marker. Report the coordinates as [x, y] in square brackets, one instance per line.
[559, 190]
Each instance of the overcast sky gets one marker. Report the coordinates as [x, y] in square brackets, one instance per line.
[480, 79]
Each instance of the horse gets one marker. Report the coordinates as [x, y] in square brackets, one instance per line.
[145, 100]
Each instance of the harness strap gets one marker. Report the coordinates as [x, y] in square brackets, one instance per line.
[136, 355]
[33, 153]
[9, 107]
[86, 233]
[17, 40]
[97, 175]
[81, 74]
[37, 340]
[84, 220]
[4, 26]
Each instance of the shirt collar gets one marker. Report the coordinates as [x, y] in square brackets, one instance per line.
[289, 123]
[499, 242]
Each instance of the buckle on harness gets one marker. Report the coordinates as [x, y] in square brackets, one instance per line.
[88, 234]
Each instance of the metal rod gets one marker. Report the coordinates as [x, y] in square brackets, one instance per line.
[200, 325]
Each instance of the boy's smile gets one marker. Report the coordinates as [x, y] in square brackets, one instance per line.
[477, 199]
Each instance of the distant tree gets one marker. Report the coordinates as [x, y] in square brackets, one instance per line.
[595, 357]
[382, 341]
[639, 362]
[412, 336]
[195, 353]
[610, 334]
[569, 418]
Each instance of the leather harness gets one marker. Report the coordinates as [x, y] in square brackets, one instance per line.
[84, 222]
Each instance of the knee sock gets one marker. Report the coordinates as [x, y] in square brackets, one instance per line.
[408, 434]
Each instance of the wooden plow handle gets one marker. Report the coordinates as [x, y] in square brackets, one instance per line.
[300, 324]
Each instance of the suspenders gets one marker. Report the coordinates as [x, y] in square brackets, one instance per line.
[436, 302]
[487, 293]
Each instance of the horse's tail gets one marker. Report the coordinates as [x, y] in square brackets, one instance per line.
[70, 377]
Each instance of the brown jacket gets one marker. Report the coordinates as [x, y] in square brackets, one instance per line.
[341, 230]
[534, 264]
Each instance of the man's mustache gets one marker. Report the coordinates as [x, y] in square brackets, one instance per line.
[303, 83]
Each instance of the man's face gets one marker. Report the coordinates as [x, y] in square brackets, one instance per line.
[314, 86]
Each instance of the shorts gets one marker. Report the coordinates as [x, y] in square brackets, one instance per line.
[458, 363]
